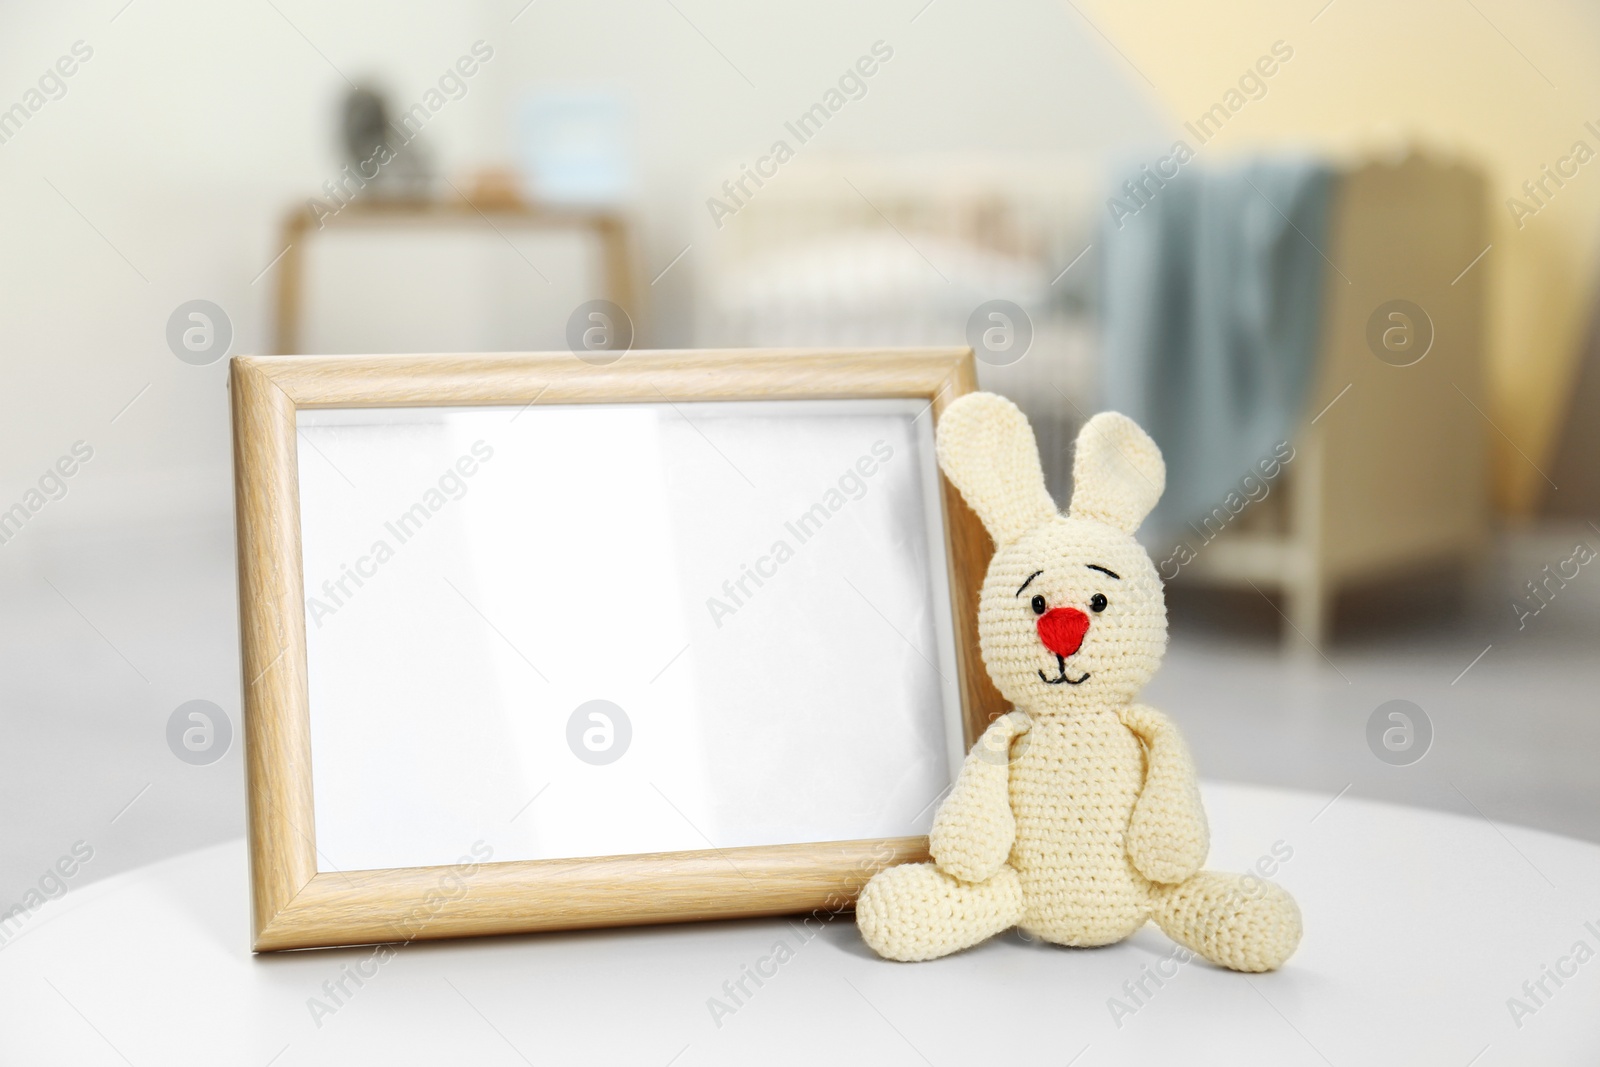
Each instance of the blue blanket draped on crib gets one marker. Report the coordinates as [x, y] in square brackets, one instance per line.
[1211, 309]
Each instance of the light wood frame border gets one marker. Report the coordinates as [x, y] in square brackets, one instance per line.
[295, 906]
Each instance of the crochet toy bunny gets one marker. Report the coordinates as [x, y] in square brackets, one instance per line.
[1076, 816]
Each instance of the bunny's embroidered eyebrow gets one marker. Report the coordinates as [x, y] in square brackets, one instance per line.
[1024, 585]
[1103, 570]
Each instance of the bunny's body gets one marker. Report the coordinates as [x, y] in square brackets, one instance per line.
[1076, 816]
[1100, 897]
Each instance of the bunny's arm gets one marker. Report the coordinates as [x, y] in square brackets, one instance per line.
[973, 832]
[1167, 837]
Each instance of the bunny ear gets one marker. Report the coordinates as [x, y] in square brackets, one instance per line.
[1117, 473]
[986, 448]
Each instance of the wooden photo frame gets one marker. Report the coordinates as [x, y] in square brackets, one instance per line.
[300, 899]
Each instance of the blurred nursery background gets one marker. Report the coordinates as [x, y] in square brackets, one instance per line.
[1338, 257]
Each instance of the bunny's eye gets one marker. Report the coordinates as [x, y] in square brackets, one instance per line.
[1097, 602]
[1038, 605]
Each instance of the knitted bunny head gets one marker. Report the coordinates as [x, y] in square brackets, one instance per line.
[1072, 615]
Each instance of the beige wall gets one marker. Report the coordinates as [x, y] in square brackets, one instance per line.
[1507, 85]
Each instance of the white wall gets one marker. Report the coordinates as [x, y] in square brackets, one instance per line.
[194, 126]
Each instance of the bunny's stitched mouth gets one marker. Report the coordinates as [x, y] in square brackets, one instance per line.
[1061, 663]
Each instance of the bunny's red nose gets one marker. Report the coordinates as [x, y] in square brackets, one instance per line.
[1062, 630]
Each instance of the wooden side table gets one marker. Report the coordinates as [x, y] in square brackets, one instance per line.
[300, 224]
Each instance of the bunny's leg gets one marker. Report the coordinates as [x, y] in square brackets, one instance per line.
[917, 912]
[1244, 924]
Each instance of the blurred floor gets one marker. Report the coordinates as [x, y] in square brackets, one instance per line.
[135, 625]
[101, 640]
[1514, 731]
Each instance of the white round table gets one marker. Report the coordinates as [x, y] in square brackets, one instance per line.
[1421, 928]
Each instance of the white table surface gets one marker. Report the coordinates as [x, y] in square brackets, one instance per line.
[1419, 927]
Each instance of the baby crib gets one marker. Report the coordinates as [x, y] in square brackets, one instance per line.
[877, 252]
[1389, 467]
